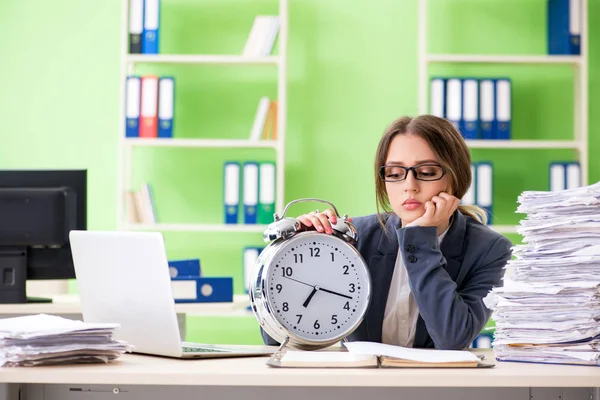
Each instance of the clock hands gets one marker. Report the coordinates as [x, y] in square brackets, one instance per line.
[314, 291]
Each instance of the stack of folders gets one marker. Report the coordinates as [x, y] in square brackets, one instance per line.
[564, 27]
[480, 108]
[49, 340]
[548, 310]
[263, 34]
[480, 192]
[189, 286]
[144, 21]
[149, 106]
[258, 194]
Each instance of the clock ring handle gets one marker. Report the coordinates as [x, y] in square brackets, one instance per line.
[307, 200]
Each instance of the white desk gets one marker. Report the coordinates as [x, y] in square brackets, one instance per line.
[146, 377]
[68, 306]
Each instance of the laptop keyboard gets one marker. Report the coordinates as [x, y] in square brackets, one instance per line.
[191, 348]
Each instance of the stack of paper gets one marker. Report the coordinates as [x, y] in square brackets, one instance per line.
[549, 307]
[45, 339]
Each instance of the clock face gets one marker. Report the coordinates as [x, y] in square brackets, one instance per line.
[318, 286]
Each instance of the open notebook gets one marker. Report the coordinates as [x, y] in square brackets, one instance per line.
[376, 355]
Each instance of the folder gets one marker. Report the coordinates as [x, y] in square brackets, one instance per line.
[485, 187]
[132, 106]
[166, 95]
[149, 107]
[564, 19]
[266, 192]
[250, 192]
[454, 102]
[557, 176]
[483, 341]
[151, 26]
[136, 21]
[437, 97]
[503, 109]
[470, 108]
[487, 108]
[202, 290]
[573, 175]
[231, 183]
[188, 268]
[469, 198]
[249, 259]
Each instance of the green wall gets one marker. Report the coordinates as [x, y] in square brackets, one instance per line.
[352, 69]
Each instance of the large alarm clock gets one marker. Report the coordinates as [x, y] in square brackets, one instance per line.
[309, 289]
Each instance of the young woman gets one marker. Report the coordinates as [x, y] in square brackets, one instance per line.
[432, 260]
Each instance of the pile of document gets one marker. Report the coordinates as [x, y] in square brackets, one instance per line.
[548, 310]
[49, 340]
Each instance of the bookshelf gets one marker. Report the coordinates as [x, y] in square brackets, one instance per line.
[579, 63]
[127, 146]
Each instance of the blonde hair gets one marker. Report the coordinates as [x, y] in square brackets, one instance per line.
[448, 145]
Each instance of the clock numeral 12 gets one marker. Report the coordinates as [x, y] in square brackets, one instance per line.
[315, 252]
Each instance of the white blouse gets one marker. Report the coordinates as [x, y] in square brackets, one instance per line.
[401, 312]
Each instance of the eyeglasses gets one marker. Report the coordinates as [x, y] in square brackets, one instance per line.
[423, 172]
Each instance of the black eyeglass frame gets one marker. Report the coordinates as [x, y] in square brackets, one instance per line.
[409, 169]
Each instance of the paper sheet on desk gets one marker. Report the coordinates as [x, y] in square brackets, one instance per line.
[405, 353]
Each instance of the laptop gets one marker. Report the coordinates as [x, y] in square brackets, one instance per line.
[123, 277]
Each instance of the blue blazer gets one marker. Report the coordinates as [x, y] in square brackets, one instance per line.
[447, 282]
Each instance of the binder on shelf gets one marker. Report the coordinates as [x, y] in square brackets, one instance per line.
[484, 187]
[136, 21]
[166, 99]
[487, 108]
[573, 175]
[470, 108]
[202, 289]
[266, 192]
[250, 192]
[231, 184]
[437, 98]
[151, 26]
[132, 106]
[564, 175]
[483, 341]
[564, 18]
[503, 109]
[454, 102]
[469, 197]
[149, 107]
[185, 268]
[249, 258]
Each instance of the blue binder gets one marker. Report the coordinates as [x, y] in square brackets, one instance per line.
[231, 191]
[454, 102]
[437, 97]
[250, 197]
[564, 27]
[470, 108]
[184, 268]
[487, 107]
[151, 26]
[503, 109]
[485, 185]
[209, 290]
[166, 106]
[132, 107]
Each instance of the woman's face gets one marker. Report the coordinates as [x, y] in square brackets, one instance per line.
[408, 197]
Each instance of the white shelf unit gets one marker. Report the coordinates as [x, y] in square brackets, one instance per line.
[127, 145]
[579, 63]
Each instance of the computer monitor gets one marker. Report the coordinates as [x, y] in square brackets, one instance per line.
[38, 209]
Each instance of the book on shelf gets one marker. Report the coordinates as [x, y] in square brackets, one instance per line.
[262, 36]
[265, 120]
[377, 355]
[139, 206]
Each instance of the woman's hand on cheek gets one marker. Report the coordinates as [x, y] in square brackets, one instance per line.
[437, 211]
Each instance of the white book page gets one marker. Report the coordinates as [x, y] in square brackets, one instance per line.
[421, 355]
